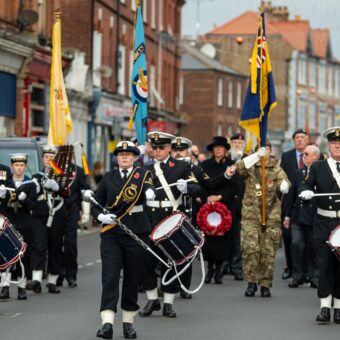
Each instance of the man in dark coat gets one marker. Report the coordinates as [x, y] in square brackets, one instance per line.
[324, 178]
[291, 161]
[123, 191]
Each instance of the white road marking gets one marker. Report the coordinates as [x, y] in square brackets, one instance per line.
[89, 263]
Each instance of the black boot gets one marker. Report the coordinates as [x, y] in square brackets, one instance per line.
[218, 275]
[22, 294]
[210, 273]
[151, 306]
[128, 331]
[168, 310]
[324, 316]
[251, 289]
[336, 315]
[106, 332]
[53, 289]
[265, 292]
[4, 294]
[185, 295]
[35, 286]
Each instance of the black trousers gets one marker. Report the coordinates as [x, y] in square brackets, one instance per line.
[303, 254]
[69, 263]
[186, 277]
[47, 242]
[287, 243]
[120, 252]
[329, 270]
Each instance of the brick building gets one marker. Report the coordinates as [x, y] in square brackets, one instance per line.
[211, 96]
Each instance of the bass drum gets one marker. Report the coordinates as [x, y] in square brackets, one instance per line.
[12, 245]
[334, 241]
[214, 219]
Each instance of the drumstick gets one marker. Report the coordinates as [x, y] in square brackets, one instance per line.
[173, 184]
[7, 188]
[326, 194]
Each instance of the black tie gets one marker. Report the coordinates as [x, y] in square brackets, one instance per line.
[338, 166]
[162, 166]
[124, 175]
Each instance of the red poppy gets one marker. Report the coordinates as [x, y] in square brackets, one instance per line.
[171, 165]
[136, 175]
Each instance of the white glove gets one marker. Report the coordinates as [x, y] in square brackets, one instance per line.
[35, 180]
[51, 184]
[2, 191]
[284, 187]
[307, 195]
[141, 149]
[182, 186]
[107, 218]
[150, 195]
[87, 195]
[22, 196]
[261, 151]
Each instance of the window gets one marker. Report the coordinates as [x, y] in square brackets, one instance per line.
[330, 118]
[312, 73]
[337, 81]
[220, 92]
[322, 78]
[153, 13]
[97, 57]
[302, 71]
[330, 80]
[130, 65]
[152, 85]
[121, 69]
[219, 130]
[181, 90]
[145, 10]
[133, 5]
[122, 1]
[322, 118]
[311, 115]
[302, 112]
[230, 94]
[239, 95]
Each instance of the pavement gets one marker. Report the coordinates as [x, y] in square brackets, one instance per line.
[216, 312]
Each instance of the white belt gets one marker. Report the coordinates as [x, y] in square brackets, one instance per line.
[41, 197]
[136, 209]
[159, 204]
[329, 213]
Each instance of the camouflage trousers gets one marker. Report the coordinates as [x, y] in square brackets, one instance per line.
[258, 252]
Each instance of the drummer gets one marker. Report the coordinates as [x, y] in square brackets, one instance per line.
[166, 170]
[5, 173]
[324, 177]
[124, 190]
[19, 204]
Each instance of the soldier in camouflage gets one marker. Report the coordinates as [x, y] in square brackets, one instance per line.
[259, 243]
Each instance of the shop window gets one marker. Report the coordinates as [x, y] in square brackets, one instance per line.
[37, 106]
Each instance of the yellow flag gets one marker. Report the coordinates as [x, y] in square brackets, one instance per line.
[60, 116]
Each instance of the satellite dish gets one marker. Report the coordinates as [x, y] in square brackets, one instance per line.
[209, 50]
[27, 17]
[103, 71]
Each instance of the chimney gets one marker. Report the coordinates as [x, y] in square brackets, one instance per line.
[280, 13]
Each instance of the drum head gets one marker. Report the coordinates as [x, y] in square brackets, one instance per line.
[334, 238]
[167, 226]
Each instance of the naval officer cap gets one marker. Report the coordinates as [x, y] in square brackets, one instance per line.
[181, 143]
[332, 134]
[49, 149]
[160, 138]
[126, 146]
[18, 157]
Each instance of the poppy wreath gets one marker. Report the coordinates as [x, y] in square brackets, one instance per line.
[213, 230]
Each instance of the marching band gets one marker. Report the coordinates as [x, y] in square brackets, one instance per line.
[156, 214]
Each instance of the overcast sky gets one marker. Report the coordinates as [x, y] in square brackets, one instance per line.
[320, 13]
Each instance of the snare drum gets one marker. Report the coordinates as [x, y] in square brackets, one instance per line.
[334, 241]
[176, 237]
[12, 245]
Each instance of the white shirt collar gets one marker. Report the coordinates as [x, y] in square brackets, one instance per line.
[164, 161]
[128, 172]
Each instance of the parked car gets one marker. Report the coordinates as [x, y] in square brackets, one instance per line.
[31, 146]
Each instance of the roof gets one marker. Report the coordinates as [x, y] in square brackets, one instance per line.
[194, 59]
[320, 42]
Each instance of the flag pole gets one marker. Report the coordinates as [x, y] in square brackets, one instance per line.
[263, 160]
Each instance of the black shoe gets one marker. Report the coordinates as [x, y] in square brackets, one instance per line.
[185, 295]
[60, 281]
[296, 283]
[22, 294]
[72, 283]
[336, 315]
[129, 332]
[251, 289]
[35, 286]
[286, 274]
[209, 276]
[168, 311]
[218, 279]
[265, 292]
[313, 284]
[238, 277]
[151, 306]
[324, 316]
[4, 294]
[53, 289]
[106, 332]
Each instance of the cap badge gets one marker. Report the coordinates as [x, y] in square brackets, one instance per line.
[337, 132]
[178, 141]
[125, 146]
[156, 136]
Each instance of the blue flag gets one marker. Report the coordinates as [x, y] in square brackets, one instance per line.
[139, 83]
[260, 97]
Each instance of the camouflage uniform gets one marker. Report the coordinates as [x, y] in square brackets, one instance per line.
[259, 246]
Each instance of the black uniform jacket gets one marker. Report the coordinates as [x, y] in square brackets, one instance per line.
[320, 180]
[5, 175]
[298, 210]
[173, 171]
[107, 192]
